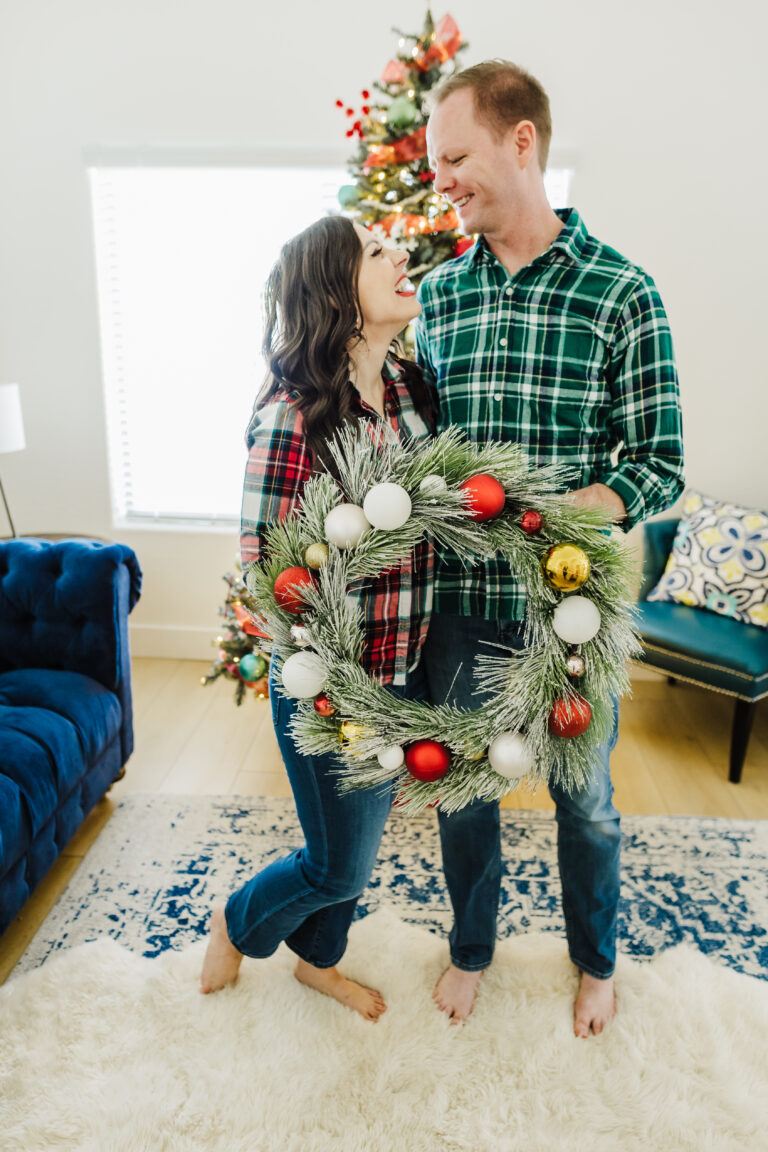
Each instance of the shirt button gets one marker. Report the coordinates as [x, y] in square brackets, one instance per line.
[503, 341]
[507, 291]
[497, 396]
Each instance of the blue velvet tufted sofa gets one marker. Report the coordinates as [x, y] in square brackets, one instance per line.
[66, 721]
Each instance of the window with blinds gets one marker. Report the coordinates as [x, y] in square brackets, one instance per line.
[182, 254]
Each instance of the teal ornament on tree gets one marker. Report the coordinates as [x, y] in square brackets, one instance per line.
[349, 194]
[252, 667]
[401, 112]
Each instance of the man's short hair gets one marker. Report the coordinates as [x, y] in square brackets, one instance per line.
[504, 94]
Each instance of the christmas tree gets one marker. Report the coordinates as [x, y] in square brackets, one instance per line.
[393, 182]
[240, 657]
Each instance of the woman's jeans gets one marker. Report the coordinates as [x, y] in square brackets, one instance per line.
[589, 835]
[308, 898]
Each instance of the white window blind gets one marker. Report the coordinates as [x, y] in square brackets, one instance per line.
[182, 254]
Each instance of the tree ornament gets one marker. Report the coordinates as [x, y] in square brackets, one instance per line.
[531, 522]
[575, 665]
[387, 506]
[316, 556]
[510, 755]
[391, 758]
[261, 688]
[323, 706]
[570, 716]
[299, 635]
[349, 194]
[253, 667]
[350, 732]
[576, 620]
[345, 525]
[401, 112]
[433, 483]
[565, 567]
[486, 496]
[284, 592]
[303, 675]
[427, 760]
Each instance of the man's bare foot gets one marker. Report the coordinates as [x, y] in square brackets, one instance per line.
[455, 993]
[222, 960]
[595, 1005]
[367, 1001]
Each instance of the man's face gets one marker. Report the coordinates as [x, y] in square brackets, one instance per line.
[478, 173]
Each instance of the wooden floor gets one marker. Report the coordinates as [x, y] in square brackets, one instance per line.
[671, 758]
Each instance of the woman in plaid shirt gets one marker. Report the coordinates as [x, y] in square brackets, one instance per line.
[335, 302]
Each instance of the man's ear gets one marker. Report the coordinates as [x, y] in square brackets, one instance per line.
[523, 137]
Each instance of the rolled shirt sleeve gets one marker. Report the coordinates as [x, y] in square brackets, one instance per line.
[646, 416]
[278, 466]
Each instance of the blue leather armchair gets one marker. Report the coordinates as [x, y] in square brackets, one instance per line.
[66, 720]
[702, 647]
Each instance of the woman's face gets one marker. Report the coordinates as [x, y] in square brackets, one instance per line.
[387, 298]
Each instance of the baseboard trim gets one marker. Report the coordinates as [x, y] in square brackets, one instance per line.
[171, 642]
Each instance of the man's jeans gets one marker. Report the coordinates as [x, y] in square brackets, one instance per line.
[308, 898]
[589, 835]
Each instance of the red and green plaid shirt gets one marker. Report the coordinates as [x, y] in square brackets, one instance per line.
[397, 605]
[571, 358]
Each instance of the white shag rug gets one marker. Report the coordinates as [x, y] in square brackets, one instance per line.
[102, 1050]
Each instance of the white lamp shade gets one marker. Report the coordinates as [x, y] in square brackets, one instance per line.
[11, 424]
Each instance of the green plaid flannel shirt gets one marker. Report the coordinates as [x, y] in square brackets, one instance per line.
[572, 358]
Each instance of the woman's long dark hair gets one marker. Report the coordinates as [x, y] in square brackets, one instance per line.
[312, 317]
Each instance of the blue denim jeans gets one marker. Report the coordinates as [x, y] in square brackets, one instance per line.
[308, 898]
[588, 829]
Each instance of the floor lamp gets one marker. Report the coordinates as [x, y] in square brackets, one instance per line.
[11, 431]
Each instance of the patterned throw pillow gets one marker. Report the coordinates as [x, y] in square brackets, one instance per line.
[719, 560]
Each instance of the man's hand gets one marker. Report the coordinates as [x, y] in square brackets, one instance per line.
[600, 496]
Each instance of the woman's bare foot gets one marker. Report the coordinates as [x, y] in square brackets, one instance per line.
[222, 960]
[367, 1001]
[455, 993]
[595, 1005]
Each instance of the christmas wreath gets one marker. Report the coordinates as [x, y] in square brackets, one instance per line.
[551, 703]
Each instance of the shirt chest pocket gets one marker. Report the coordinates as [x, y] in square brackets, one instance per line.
[561, 353]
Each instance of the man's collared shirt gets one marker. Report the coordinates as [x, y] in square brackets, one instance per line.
[397, 604]
[571, 358]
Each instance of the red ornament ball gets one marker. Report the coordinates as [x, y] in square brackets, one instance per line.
[487, 496]
[427, 760]
[531, 522]
[323, 706]
[284, 593]
[570, 716]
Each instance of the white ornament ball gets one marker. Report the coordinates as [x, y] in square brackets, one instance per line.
[345, 525]
[576, 620]
[299, 635]
[304, 675]
[391, 758]
[433, 484]
[387, 506]
[510, 755]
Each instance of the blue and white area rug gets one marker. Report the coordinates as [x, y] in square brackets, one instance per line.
[153, 875]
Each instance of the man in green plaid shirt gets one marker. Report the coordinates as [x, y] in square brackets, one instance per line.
[542, 335]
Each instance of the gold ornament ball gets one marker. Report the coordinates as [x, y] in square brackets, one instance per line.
[316, 556]
[565, 567]
[350, 733]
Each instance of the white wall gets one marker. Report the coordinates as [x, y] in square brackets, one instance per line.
[663, 102]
